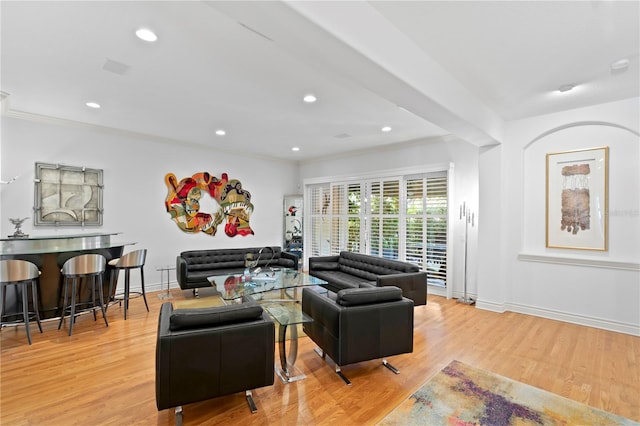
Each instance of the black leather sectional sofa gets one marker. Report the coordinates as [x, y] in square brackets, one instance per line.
[193, 267]
[354, 270]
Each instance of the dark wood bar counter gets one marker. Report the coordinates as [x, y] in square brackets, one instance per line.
[49, 254]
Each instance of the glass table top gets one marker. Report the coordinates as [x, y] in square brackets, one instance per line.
[235, 286]
[287, 313]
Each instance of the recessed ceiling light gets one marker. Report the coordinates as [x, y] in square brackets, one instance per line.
[310, 98]
[94, 105]
[146, 35]
[295, 149]
[221, 132]
[620, 64]
[386, 129]
[566, 88]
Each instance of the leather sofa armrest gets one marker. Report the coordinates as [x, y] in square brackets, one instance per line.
[193, 318]
[413, 285]
[181, 271]
[163, 374]
[319, 262]
[324, 310]
[368, 295]
[290, 256]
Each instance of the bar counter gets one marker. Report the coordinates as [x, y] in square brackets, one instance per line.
[49, 253]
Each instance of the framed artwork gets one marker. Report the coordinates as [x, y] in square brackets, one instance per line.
[67, 195]
[577, 199]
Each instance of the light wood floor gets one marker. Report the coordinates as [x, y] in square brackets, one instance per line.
[105, 376]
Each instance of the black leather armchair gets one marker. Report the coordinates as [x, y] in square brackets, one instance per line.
[208, 352]
[359, 324]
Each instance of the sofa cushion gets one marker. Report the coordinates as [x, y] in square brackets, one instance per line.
[204, 274]
[212, 263]
[367, 296]
[357, 271]
[184, 319]
[227, 258]
[366, 266]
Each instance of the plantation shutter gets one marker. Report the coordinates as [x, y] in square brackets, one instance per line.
[319, 198]
[338, 222]
[437, 230]
[416, 229]
[384, 218]
[354, 218]
[403, 218]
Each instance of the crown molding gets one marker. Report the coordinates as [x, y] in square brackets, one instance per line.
[56, 121]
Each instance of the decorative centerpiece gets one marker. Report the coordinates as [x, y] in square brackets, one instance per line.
[18, 231]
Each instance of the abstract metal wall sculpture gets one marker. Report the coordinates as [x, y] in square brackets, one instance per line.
[67, 195]
[234, 204]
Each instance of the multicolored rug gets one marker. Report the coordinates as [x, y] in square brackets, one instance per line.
[462, 395]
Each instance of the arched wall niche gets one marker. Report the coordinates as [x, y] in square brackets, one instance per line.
[623, 187]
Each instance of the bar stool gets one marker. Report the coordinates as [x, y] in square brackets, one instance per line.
[90, 267]
[20, 273]
[131, 260]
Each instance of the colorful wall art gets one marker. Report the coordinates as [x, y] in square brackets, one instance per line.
[183, 203]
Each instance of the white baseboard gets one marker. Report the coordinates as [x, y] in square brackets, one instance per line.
[436, 291]
[148, 287]
[617, 326]
[156, 287]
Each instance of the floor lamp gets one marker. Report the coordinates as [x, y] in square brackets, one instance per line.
[469, 219]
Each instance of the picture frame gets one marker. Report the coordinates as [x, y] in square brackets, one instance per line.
[577, 199]
[67, 195]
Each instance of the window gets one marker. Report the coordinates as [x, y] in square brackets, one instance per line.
[400, 217]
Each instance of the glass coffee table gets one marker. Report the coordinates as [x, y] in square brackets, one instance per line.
[234, 286]
[285, 310]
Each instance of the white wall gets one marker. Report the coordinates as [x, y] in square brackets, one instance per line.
[595, 288]
[417, 154]
[134, 193]
[509, 267]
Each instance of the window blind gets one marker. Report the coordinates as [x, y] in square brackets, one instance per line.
[401, 217]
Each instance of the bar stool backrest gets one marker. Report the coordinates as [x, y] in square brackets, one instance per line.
[12, 271]
[133, 259]
[84, 264]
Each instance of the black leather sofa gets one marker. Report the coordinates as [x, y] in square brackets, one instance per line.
[359, 324]
[208, 352]
[193, 267]
[353, 270]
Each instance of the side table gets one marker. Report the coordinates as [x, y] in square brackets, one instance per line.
[168, 269]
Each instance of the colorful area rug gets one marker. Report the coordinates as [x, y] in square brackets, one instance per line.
[462, 395]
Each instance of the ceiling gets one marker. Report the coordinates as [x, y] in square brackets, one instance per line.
[424, 68]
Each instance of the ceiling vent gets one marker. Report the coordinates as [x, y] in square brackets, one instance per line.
[342, 136]
[116, 67]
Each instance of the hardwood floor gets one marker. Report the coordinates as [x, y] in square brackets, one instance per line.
[106, 376]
